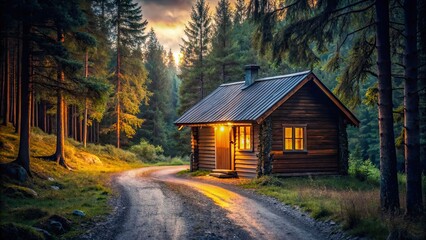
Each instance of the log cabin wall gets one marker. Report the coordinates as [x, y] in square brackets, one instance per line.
[206, 148]
[246, 161]
[307, 106]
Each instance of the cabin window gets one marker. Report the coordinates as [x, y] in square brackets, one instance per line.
[244, 134]
[294, 137]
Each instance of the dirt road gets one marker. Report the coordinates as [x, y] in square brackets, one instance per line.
[155, 204]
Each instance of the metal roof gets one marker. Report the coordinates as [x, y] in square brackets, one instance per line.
[233, 103]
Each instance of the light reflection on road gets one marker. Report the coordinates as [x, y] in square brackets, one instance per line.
[260, 222]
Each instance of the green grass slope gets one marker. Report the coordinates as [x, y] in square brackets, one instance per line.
[86, 188]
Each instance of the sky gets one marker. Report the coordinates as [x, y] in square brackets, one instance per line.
[168, 18]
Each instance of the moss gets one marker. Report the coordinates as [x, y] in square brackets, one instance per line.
[30, 213]
[19, 232]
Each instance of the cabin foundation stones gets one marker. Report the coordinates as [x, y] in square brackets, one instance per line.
[265, 157]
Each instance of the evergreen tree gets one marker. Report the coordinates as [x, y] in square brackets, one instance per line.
[194, 49]
[411, 112]
[240, 12]
[129, 34]
[223, 56]
[155, 110]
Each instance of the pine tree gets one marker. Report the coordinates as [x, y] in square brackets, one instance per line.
[223, 55]
[240, 12]
[155, 110]
[129, 34]
[194, 50]
[414, 200]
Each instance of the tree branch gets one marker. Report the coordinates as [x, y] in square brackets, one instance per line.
[351, 33]
[283, 8]
[349, 6]
[353, 11]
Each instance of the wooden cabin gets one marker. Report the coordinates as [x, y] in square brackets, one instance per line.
[284, 125]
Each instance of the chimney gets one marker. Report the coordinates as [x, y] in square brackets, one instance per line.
[251, 74]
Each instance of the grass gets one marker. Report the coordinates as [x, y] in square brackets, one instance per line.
[85, 188]
[197, 173]
[175, 161]
[344, 199]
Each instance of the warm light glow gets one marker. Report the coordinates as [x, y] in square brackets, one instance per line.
[244, 137]
[180, 127]
[222, 128]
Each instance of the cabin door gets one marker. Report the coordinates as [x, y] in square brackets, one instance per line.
[223, 147]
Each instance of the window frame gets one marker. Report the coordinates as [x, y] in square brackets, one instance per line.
[293, 138]
[238, 138]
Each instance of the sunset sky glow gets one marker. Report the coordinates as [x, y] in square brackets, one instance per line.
[168, 18]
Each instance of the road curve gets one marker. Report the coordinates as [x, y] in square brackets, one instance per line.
[156, 204]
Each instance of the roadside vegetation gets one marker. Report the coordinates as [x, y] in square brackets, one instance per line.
[54, 193]
[352, 201]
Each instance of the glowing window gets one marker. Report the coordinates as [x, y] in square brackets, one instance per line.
[244, 137]
[294, 138]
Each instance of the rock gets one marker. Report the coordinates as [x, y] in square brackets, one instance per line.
[54, 187]
[79, 213]
[45, 233]
[89, 158]
[14, 171]
[66, 224]
[19, 231]
[50, 179]
[332, 223]
[17, 191]
[56, 226]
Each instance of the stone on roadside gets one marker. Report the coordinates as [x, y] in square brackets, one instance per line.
[79, 213]
[54, 187]
[45, 233]
[14, 171]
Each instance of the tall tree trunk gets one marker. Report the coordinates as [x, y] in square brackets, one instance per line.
[118, 108]
[6, 107]
[86, 74]
[422, 81]
[23, 158]
[59, 155]
[32, 96]
[19, 88]
[44, 117]
[411, 113]
[13, 85]
[389, 195]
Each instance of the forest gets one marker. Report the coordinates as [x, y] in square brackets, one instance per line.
[91, 71]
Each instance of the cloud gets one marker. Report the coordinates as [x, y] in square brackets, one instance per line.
[169, 3]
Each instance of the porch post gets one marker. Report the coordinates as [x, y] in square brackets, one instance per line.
[194, 143]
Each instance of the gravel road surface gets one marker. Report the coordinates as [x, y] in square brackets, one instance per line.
[156, 204]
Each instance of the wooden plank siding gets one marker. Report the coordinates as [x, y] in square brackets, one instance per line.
[308, 106]
[246, 161]
[206, 148]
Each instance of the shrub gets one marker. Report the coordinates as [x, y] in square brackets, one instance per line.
[362, 170]
[146, 151]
